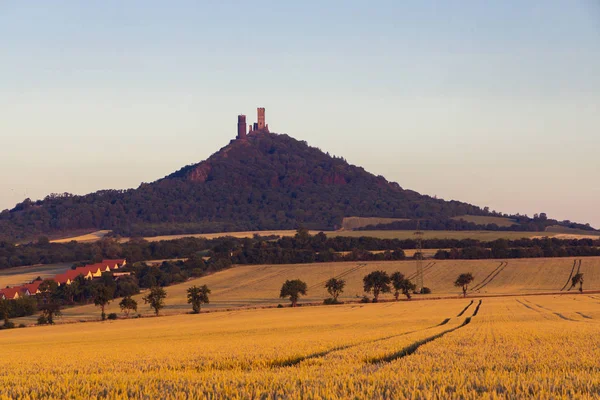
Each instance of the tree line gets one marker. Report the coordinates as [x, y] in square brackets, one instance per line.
[301, 248]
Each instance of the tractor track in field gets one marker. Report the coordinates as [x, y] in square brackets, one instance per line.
[412, 348]
[465, 309]
[578, 270]
[256, 281]
[570, 275]
[290, 362]
[426, 268]
[541, 312]
[491, 276]
[528, 306]
[559, 315]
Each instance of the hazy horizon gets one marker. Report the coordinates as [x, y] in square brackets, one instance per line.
[495, 105]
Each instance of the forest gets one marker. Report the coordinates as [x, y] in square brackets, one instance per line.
[302, 248]
[268, 182]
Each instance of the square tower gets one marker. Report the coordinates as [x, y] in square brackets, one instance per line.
[261, 118]
[241, 127]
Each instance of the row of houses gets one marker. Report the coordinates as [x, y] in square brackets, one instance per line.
[88, 272]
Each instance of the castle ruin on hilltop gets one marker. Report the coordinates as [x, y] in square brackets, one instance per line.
[257, 127]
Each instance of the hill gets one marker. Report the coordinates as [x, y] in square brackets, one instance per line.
[264, 182]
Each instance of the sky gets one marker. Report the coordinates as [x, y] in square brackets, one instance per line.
[492, 103]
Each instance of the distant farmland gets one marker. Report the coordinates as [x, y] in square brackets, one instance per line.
[258, 285]
[485, 220]
[381, 234]
[350, 223]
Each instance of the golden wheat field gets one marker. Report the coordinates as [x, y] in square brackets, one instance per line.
[259, 285]
[534, 346]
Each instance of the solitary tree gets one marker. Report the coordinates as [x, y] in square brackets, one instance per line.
[293, 289]
[49, 304]
[402, 285]
[335, 287]
[156, 298]
[196, 296]
[377, 282]
[103, 295]
[127, 305]
[578, 279]
[463, 282]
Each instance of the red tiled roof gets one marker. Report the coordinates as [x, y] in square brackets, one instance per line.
[112, 263]
[32, 287]
[10, 293]
[61, 278]
[93, 268]
[72, 274]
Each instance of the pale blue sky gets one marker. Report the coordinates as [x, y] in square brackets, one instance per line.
[493, 103]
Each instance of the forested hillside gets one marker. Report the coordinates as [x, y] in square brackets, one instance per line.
[268, 181]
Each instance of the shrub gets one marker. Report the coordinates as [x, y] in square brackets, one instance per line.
[279, 306]
[365, 299]
[22, 325]
[425, 290]
[197, 272]
[332, 301]
[112, 316]
[42, 320]
[8, 325]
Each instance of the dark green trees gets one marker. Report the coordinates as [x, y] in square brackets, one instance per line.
[293, 289]
[156, 298]
[127, 305]
[377, 282]
[402, 285]
[103, 295]
[463, 282]
[196, 296]
[334, 287]
[578, 279]
[48, 302]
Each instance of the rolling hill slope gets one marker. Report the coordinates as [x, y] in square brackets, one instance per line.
[266, 182]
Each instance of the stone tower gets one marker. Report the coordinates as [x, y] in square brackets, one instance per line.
[241, 127]
[261, 118]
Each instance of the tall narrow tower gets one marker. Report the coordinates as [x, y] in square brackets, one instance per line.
[261, 118]
[241, 127]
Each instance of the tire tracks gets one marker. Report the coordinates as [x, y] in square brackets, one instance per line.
[559, 315]
[583, 315]
[425, 269]
[465, 309]
[412, 348]
[490, 277]
[292, 361]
